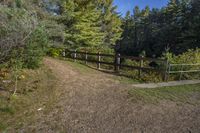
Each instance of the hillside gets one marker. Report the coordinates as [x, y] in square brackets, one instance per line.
[82, 66]
[82, 99]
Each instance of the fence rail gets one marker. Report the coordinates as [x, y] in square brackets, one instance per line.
[116, 61]
[100, 54]
[181, 69]
[145, 59]
[165, 71]
[185, 64]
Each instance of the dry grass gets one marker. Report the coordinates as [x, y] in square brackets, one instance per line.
[35, 91]
[81, 99]
[185, 94]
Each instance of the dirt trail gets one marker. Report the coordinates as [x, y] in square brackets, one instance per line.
[94, 102]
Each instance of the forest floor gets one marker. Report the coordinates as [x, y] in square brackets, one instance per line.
[86, 100]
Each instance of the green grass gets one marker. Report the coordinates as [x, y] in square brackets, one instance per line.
[125, 80]
[2, 127]
[7, 109]
[78, 65]
[184, 94]
[82, 68]
[35, 91]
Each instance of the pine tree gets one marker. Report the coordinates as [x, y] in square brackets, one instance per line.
[85, 27]
[191, 34]
[111, 24]
[127, 39]
[136, 19]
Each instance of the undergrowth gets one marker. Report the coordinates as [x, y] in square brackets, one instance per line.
[35, 90]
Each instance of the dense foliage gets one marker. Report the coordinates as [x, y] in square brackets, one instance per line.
[18, 28]
[90, 23]
[23, 33]
[172, 28]
[29, 27]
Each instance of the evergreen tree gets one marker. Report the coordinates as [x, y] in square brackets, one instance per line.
[127, 35]
[84, 29]
[111, 24]
[191, 34]
[174, 27]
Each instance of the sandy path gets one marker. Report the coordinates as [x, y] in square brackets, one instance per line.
[95, 103]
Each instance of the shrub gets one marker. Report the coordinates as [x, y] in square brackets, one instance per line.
[21, 37]
[189, 57]
[18, 3]
[105, 50]
[15, 26]
[36, 48]
[55, 52]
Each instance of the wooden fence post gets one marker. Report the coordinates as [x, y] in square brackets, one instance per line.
[141, 66]
[117, 62]
[99, 59]
[166, 71]
[181, 75]
[75, 55]
[86, 57]
[64, 53]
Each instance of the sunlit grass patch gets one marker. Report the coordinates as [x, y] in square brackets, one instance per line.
[2, 127]
[185, 94]
[7, 109]
[35, 91]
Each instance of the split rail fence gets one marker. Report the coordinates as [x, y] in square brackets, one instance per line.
[116, 61]
[183, 68]
[165, 68]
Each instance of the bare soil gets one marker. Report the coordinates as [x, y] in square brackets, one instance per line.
[93, 102]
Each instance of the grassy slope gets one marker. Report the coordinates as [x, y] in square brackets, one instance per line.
[85, 69]
[35, 91]
[38, 90]
[185, 94]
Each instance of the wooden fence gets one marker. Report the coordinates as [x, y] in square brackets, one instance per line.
[183, 68]
[166, 69]
[116, 61]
